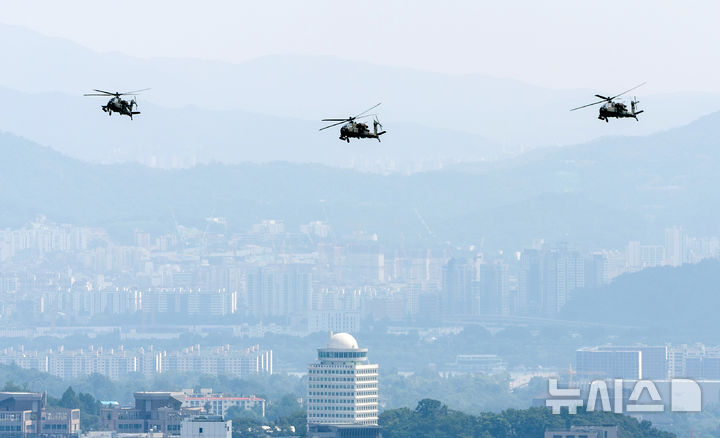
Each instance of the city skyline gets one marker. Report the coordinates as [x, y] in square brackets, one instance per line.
[319, 278]
[203, 235]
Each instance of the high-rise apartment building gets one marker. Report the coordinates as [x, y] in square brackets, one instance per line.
[530, 282]
[491, 297]
[279, 290]
[563, 272]
[675, 246]
[457, 288]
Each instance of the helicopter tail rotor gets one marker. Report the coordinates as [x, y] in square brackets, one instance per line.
[633, 104]
[377, 123]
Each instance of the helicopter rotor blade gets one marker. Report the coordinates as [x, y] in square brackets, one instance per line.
[367, 110]
[96, 94]
[117, 94]
[590, 104]
[365, 116]
[334, 124]
[350, 119]
[608, 99]
[135, 92]
[627, 91]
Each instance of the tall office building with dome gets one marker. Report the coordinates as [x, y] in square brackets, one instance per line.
[342, 396]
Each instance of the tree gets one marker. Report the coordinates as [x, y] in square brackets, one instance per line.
[432, 419]
[69, 399]
[298, 420]
[11, 387]
[284, 407]
[428, 408]
[240, 413]
[88, 404]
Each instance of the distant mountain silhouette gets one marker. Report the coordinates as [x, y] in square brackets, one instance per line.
[683, 300]
[599, 194]
[181, 137]
[506, 112]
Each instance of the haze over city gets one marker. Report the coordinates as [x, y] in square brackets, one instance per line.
[188, 249]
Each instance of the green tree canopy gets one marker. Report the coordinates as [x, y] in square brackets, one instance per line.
[69, 399]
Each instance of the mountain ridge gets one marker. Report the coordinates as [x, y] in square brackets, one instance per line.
[686, 310]
[168, 137]
[595, 195]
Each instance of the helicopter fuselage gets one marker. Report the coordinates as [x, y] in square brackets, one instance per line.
[617, 110]
[120, 106]
[359, 130]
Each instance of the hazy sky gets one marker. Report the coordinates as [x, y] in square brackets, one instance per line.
[565, 43]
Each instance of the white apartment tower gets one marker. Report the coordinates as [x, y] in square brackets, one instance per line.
[675, 246]
[342, 385]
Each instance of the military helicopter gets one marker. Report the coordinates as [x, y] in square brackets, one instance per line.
[617, 110]
[352, 129]
[118, 105]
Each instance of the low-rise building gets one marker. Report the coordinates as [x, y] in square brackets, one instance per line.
[206, 427]
[153, 412]
[113, 434]
[26, 415]
[219, 404]
[622, 362]
[477, 364]
[584, 432]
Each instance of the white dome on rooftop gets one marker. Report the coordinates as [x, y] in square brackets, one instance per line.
[342, 341]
